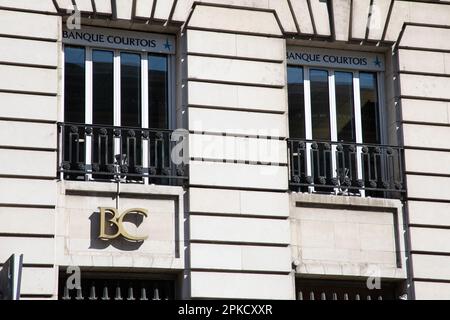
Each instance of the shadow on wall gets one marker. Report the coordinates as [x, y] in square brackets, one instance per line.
[119, 242]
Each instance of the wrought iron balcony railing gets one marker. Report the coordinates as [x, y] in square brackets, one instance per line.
[95, 152]
[346, 168]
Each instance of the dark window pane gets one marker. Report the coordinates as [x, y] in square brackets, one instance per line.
[157, 92]
[103, 87]
[320, 105]
[103, 110]
[130, 79]
[74, 84]
[369, 108]
[296, 100]
[344, 107]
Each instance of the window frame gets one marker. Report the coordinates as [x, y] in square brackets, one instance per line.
[171, 98]
[333, 115]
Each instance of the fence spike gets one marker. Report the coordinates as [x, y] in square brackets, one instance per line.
[300, 295]
[105, 295]
[79, 294]
[130, 293]
[345, 296]
[311, 295]
[156, 294]
[357, 297]
[323, 296]
[92, 295]
[118, 293]
[143, 294]
[66, 295]
[335, 297]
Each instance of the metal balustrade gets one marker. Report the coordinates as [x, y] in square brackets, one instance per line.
[310, 289]
[346, 168]
[94, 152]
[119, 289]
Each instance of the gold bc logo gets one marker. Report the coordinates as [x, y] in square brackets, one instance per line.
[117, 222]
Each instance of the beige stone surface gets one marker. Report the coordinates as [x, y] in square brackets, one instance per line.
[25, 79]
[32, 192]
[234, 257]
[426, 136]
[236, 96]
[429, 213]
[221, 174]
[17, 163]
[39, 26]
[430, 239]
[27, 134]
[432, 290]
[37, 251]
[268, 151]
[434, 162]
[37, 221]
[241, 286]
[242, 230]
[238, 202]
[426, 187]
[426, 111]
[237, 20]
[236, 71]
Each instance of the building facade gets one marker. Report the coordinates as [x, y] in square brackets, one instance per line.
[265, 149]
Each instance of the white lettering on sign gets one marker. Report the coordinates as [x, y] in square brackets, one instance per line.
[120, 39]
[319, 57]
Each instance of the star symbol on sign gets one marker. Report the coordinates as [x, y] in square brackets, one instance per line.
[377, 62]
[167, 45]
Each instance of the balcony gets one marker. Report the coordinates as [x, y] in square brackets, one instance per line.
[346, 168]
[126, 154]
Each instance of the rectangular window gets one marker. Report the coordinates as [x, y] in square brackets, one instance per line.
[336, 132]
[116, 114]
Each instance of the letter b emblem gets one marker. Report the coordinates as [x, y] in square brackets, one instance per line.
[117, 222]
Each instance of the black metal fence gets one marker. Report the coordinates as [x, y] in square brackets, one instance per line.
[346, 168]
[111, 153]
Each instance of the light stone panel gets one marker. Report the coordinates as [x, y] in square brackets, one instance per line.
[241, 230]
[427, 111]
[237, 20]
[341, 11]
[38, 251]
[427, 187]
[238, 202]
[378, 19]
[162, 9]
[30, 80]
[430, 239]
[123, 9]
[182, 9]
[38, 281]
[17, 163]
[236, 96]
[360, 18]
[433, 162]
[431, 267]
[284, 15]
[144, 8]
[429, 38]
[103, 6]
[84, 5]
[241, 286]
[429, 213]
[78, 226]
[341, 242]
[27, 106]
[416, 12]
[65, 4]
[426, 136]
[236, 71]
[321, 17]
[41, 5]
[27, 134]
[218, 174]
[32, 192]
[432, 290]
[424, 61]
[301, 11]
[27, 221]
[266, 151]
[239, 258]
[39, 26]
[425, 86]
[235, 45]
[41, 53]
[237, 122]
